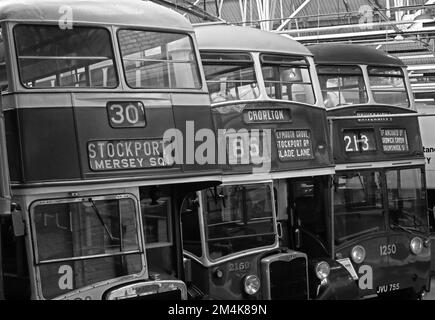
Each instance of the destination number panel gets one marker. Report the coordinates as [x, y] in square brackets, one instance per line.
[126, 114]
[389, 140]
[249, 147]
[359, 140]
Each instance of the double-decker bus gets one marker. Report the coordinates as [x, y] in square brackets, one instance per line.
[380, 219]
[267, 108]
[425, 103]
[88, 92]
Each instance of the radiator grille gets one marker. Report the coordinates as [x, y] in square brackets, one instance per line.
[288, 279]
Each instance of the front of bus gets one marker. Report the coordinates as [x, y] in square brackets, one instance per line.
[379, 195]
[88, 109]
[272, 130]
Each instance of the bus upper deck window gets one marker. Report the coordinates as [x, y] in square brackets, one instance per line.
[51, 57]
[3, 74]
[230, 76]
[388, 86]
[342, 85]
[287, 78]
[159, 60]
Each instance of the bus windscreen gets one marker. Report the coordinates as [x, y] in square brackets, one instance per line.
[238, 218]
[358, 205]
[85, 241]
[406, 199]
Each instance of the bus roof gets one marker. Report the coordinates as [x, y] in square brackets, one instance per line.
[235, 38]
[117, 12]
[352, 54]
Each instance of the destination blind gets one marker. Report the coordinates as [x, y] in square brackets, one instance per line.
[382, 117]
[126, 154]
[294, 144]
[394, 140]
[266, 115]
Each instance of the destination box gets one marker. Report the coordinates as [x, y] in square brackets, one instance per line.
[266, 115]
[294, 144]
[394, 140]
[359, 140]
[126, 154]
[382, 117]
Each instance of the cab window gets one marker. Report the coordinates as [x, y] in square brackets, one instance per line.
[190, 224]
[358, 205]
[82, 241]
[407, 199]
[238, 218]
[156, 208]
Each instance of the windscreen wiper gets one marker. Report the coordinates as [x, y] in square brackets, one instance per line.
[405, 229]
[97, 212]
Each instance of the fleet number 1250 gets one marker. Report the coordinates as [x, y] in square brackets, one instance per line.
[387, 249]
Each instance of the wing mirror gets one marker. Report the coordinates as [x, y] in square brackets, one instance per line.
[17, 220]
[187, 263]
[298, 238]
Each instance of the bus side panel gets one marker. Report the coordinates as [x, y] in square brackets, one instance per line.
[427, 129]
[199, 279]
[373, 270]
[303, 153]
[94, 124]
[197, 117]
[230, 286]
[48, 144]
[13, 145]
[346, 153]
[415, 273]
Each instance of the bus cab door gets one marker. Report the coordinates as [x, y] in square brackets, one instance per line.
[159, 218]
[307, 220]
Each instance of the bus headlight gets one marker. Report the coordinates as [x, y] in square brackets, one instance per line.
[322, 270]
[252, 284]
[358, 254]
[416, 245]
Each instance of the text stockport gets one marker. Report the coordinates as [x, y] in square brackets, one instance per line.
[123, 149]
